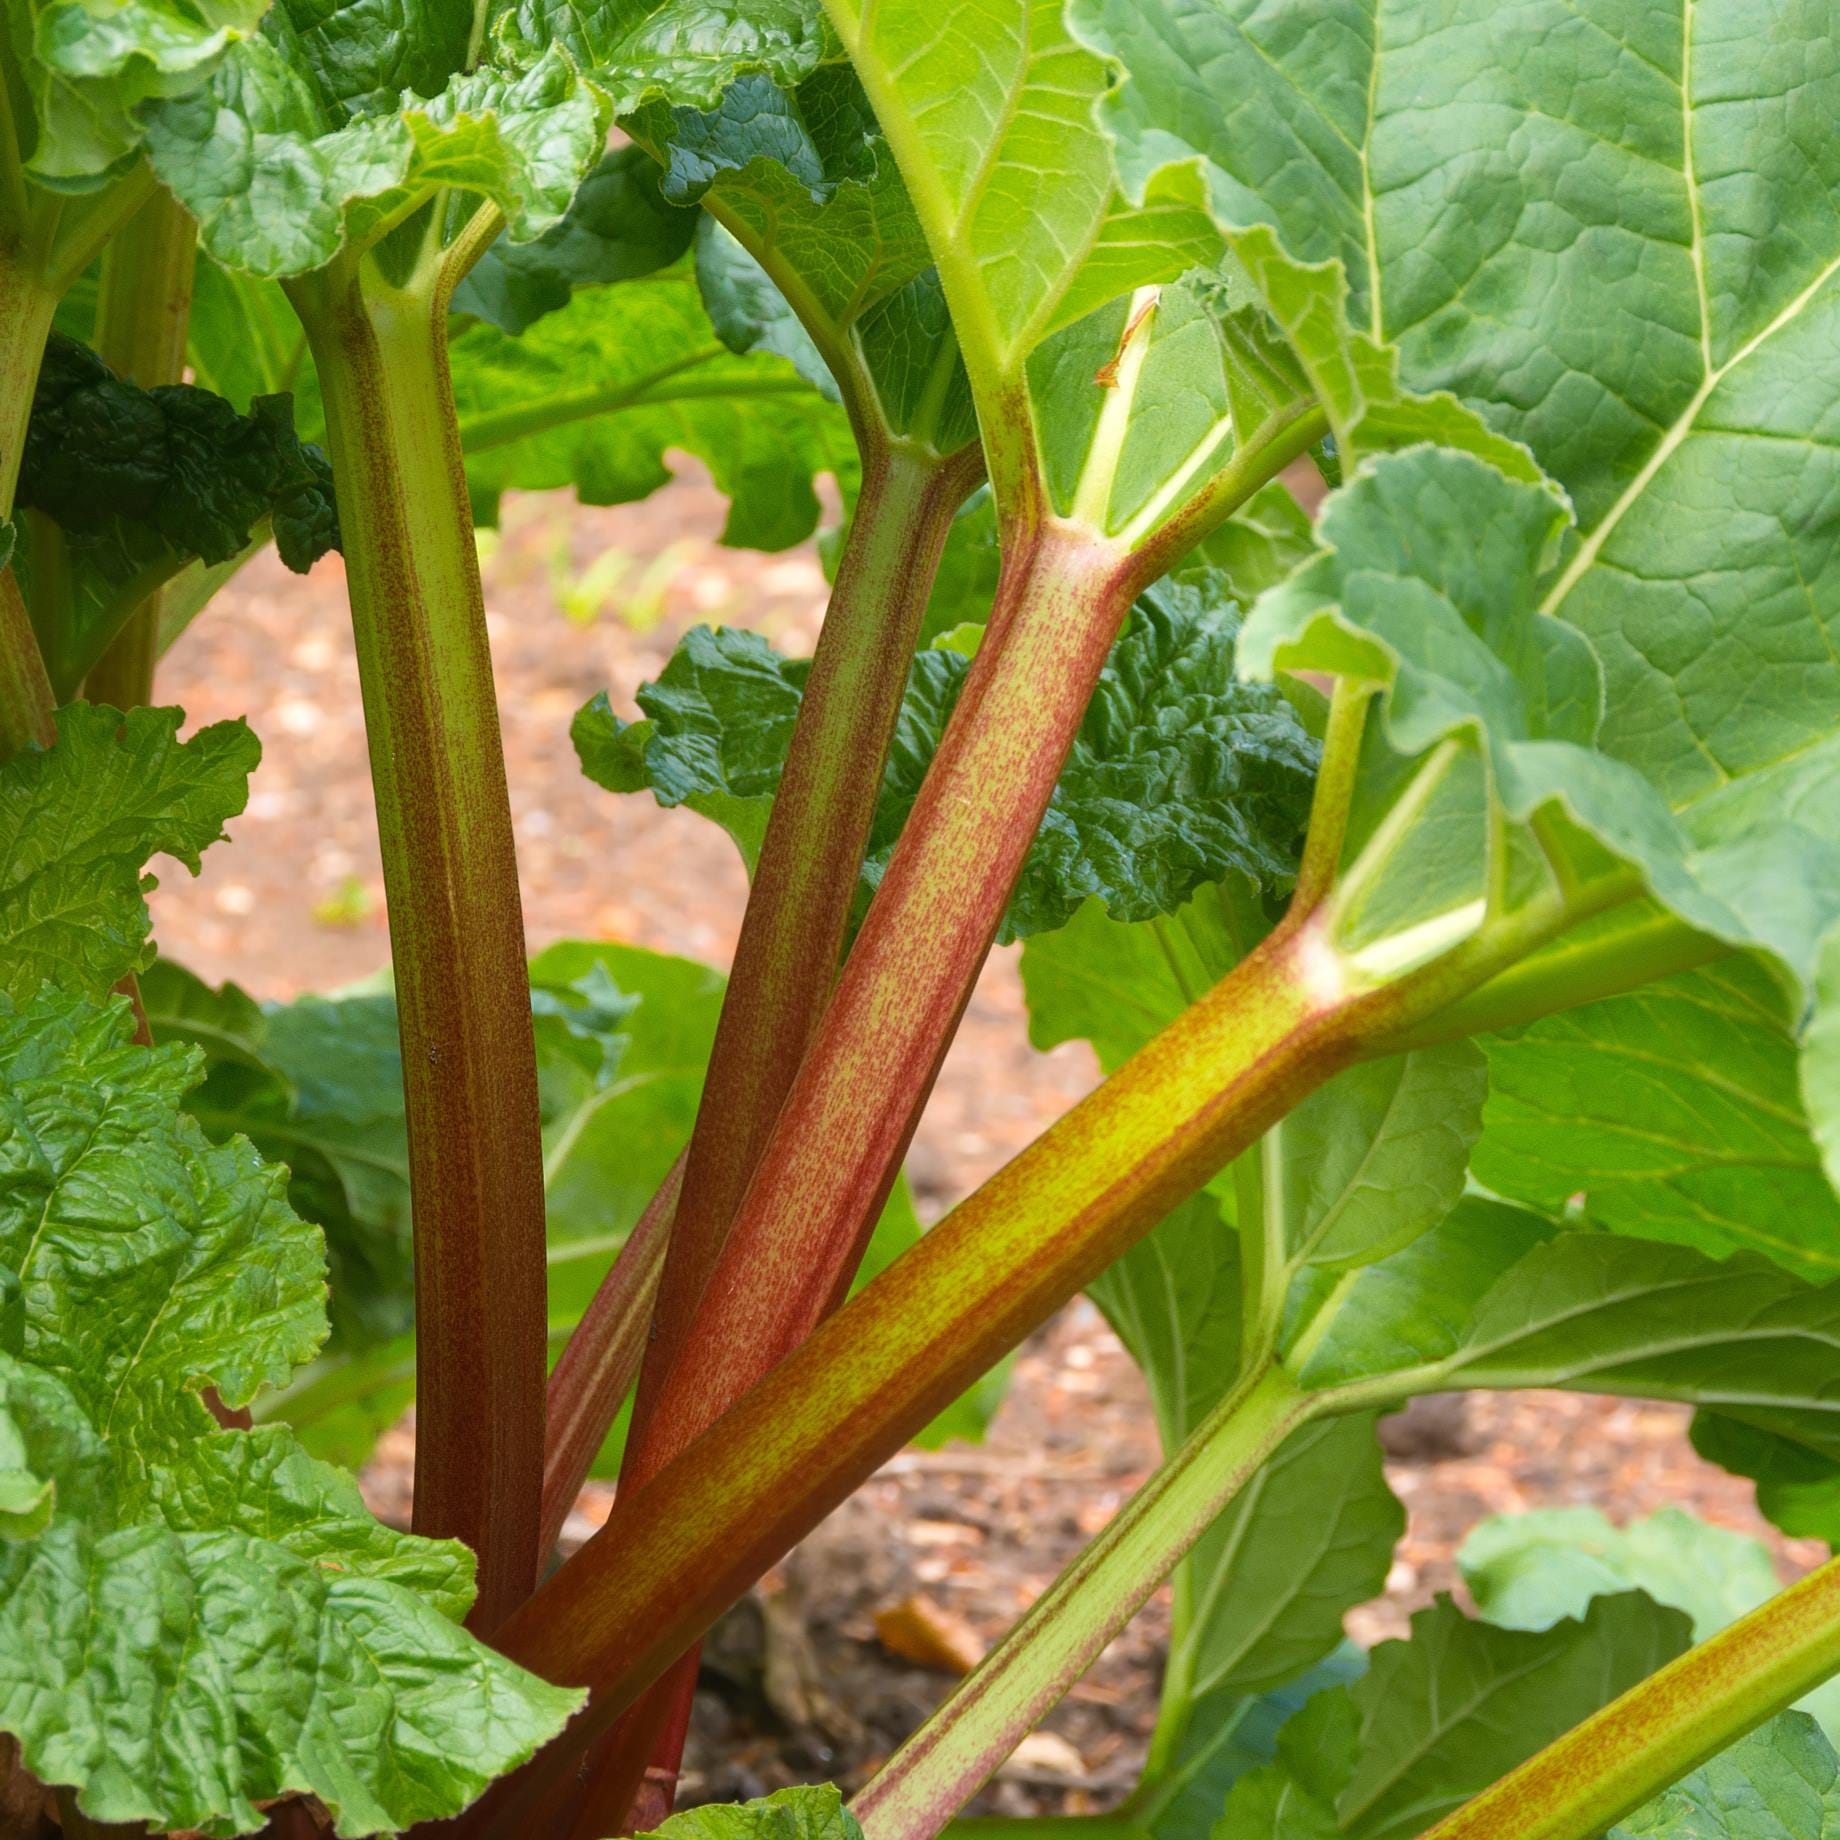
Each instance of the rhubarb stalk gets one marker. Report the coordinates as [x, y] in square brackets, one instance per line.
[456, 929]
[142, 317]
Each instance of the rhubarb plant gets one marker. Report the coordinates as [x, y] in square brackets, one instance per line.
[1337, 561]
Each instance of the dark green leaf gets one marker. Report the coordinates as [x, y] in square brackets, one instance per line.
[1462, 1702]
[1175, 778]
[618, 228]
[134, 483]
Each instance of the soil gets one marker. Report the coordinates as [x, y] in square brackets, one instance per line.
[798, 1684]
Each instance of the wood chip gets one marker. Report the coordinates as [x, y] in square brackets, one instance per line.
[924, 1631]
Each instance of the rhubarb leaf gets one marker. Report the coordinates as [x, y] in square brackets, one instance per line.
[78, 822]
[206, 1620]
[1779, 1782]
[683, 52]
[991, 108]
[1116, 986]
[1174, 779]
[1428, 583]
[618, 227]
[1446, 1713]
[1375, 1157]
[139, 482]
[1526, 1571]
[1671, 1113]
[814, 1812]
[320, 130]
[594, 395]
[810, 212]
[85, 68]
[1797, 1490]
[1613, 1315]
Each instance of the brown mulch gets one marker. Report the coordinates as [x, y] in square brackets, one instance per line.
[798, 1684]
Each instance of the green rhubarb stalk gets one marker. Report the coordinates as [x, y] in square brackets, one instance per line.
[1643, 1743]
[456, 929]
[27, 304]
[953, 1754]
[142, 317]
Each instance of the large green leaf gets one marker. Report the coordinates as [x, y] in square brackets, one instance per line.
[1428, 583]
[618, 227]
[1542, 210]
[1116, 986]
[593, 395]
[78, 822]
[206, 1619]
[988, 109]
[1374, 1158]
[1487, 1301]
[328, 128]
[803, 1813]
[1174, 778]
[1674, 1114]
[1440, 1716]
[685, 52]
[1782, 1782]
[1446, 1713]
[87, 65]
[1526, 1571]
[1797, 1488]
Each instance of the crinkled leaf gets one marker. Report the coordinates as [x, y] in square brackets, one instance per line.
[804, 1813]
[717, 725]
[619, 227]
[592, 397]
[218, 1283]
[78, 822]
[139, 482]
[1672, 1113]
[315, 1085]
[682, 52]
[1462, 1702]
[87, 66]
[1174, 778]
[207, 1620]
[1781, 1782]
[322, 129]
